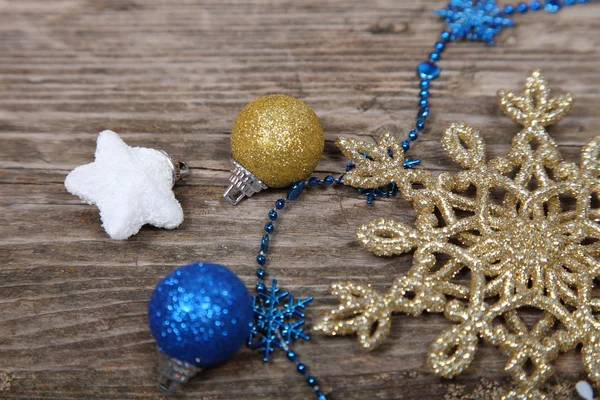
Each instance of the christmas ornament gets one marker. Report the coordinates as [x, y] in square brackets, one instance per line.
[276, 140]
[131, 186]
[199, 315]
[528, 249]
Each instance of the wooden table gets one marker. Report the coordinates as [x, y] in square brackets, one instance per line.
[174, 75]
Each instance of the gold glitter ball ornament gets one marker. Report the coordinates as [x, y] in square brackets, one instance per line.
[521, 228]
[278, 139]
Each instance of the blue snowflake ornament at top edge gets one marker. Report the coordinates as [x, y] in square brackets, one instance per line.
[277, 322]
[474, 19]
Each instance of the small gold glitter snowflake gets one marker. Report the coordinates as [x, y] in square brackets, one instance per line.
[537, 247]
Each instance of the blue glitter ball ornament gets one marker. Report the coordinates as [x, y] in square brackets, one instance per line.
[200, 314]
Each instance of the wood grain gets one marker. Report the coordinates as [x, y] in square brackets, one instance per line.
[173, 75]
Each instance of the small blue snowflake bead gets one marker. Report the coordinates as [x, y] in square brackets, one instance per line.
[200, 313]
[428, 71]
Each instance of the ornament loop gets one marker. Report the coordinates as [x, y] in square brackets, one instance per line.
[242, 183]
[173, 373]
[179, 169]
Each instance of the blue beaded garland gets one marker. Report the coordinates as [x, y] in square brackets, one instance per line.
[200, 313]
[428, 70]
[552, 6]
[295, 190]
[264, 243]
[273, 215]
[313, 181]
[269, 228]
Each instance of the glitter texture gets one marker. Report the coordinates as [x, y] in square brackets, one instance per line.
[200, 313]
[278, 138]
[531, 248]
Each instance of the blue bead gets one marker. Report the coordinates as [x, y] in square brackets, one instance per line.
[435, 56]
[313, 181]
[321, 396]
[264, 243]
[295, 190]
[440, 46]
[261, 273]
[552, 6]
[312, 381]
[301, 368]
[260, 287]
[269, 228]
[405, 145]
[445, 35]
[428, 70]
[423, 103]
[535, 5]
[413, 135]
[291, 355]
[420, 125]
[424, 84]
[273, 215]
[279, 204]
[522, 7]
[582, 1]
[261, 259]
[423, 113]
[329, 180]
[424, 93]
[182, 311]
[509, 9]
[568, 2]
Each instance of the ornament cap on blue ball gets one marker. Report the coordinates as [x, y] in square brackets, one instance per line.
[199, 315]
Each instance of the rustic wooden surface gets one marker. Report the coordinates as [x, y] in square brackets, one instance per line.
[173, 75]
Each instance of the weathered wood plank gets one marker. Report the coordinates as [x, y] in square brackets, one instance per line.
[173, 75]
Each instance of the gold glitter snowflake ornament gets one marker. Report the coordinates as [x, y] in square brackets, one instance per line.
[536, 247]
